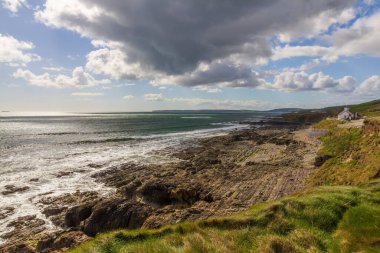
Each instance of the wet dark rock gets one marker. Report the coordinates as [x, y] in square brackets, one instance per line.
[77, 214]
[64, 173]
[159, 194]
[80, 171]
[189, 195]
[94, 165]
[129, 189]
[6, 211]
[34, 179]
[57, 206]
[54, 210]
[156, 193]
[114, 214]
[10, 189]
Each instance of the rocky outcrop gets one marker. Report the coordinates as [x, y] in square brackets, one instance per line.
[215, 176]
[160, 194]
[156, 193]
[24, 227]
[113, 214]
[75, 215]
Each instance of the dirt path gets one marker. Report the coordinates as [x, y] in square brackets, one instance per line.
[353, 124]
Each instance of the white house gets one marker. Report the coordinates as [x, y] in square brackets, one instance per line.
[346, 115]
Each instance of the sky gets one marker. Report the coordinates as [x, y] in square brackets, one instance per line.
[142, 55]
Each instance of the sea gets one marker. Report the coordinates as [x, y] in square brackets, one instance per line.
[56, 153]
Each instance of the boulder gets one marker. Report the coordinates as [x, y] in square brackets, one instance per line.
[321, 159]
[9, 189]
[156, 193]
[114, 214]
[77, 214]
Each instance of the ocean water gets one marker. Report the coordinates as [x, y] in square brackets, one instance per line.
[34, 150]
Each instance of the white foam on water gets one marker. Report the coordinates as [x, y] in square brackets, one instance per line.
[22, 164]
[196, 117]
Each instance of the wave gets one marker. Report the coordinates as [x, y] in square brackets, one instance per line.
[230, 123]
[104, 140]
[196, 117]
[59, 133]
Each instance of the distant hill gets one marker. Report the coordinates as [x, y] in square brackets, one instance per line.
[286, 110]
[371, 108]
[368, 108]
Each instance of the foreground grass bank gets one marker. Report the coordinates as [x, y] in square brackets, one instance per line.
[334, 218]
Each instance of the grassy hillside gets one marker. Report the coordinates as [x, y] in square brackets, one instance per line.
[339, 213]
[355, 155]
[371, 109]
[334, 219]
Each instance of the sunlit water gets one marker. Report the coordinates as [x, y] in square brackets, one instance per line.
[41, 147]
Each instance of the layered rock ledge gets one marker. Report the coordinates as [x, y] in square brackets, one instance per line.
[218, 176]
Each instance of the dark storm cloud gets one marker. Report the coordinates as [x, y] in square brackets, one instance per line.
[173, 37]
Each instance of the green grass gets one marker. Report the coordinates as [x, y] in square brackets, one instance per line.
[355, 156]
[370, 109]
[334, 219]
[358, 231]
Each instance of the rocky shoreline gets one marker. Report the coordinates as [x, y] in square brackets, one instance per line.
[219, 176]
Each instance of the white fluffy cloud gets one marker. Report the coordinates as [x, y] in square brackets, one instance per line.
[302, 81]
[86, 94]
[369, 87]
[78, 79]
[154, 97]
[113, 62]
[128, 97]
[13, 51]
[362, 37]
[208, 89]
[13, 5]
[296, 51]
[315, 24]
